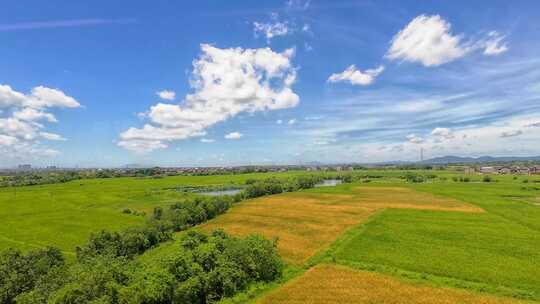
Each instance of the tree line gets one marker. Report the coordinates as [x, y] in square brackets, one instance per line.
[42, 178]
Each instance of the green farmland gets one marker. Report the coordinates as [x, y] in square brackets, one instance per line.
[63, 215]
[473, 241]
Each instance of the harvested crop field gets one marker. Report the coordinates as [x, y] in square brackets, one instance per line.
[306, 222]
[338, 284]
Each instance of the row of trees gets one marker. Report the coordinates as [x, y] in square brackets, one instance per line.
[32, 179]
[273, 185]
[42, 178]
[205, 269]
[413, 177]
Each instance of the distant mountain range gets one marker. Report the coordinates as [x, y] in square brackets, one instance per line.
[483, 159]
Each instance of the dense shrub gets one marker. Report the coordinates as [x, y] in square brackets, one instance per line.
[158, 229]
[212, 267]
[205, 269]
[127, 243]
[19, 272]
[414, 178]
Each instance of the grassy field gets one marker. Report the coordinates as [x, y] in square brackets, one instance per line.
[307, 222]
[420, 242]
[327, 284]
[63, 215]
[496, 251]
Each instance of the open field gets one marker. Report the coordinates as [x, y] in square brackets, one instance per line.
[338, 284]
[479, 236]
[497, 251]
[63, 215]
[479, 248]
[307, 222]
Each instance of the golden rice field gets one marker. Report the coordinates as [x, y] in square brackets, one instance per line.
[306, 223]
[338, 284]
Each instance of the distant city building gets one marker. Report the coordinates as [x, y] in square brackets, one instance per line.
[470, 170]
[25, 167]
[488, 170]
[504, 170]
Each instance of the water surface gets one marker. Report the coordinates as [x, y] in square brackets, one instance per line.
[221, 192]
[329, 183]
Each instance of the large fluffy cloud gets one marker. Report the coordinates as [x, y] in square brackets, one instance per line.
[355, 76]
[225, 82]
[429, 40]
[22, 118]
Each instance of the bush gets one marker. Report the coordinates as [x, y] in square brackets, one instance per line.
[414, 178]
[217, 266]
[128, 243]
[487, 179]
[19, 272]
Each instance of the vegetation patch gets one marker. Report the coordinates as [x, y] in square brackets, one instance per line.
[307, 222]
[63, 215]
[206, 269]
[337, 284]
[473, 247]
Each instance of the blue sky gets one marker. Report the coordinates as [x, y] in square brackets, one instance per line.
[109, 83]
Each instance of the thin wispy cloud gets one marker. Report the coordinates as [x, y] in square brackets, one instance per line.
[35, 25]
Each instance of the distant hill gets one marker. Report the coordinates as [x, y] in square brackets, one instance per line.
[483, 159]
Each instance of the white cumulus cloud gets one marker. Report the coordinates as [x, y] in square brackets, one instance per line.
[442, 133]
[427, 39]
[356, 77]
[166, 94]
[234, 135]
[225, 83]
[415, 139]
[207, 140]
[51, 136]
[23, 118]
[39, 98]
[30, 114]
